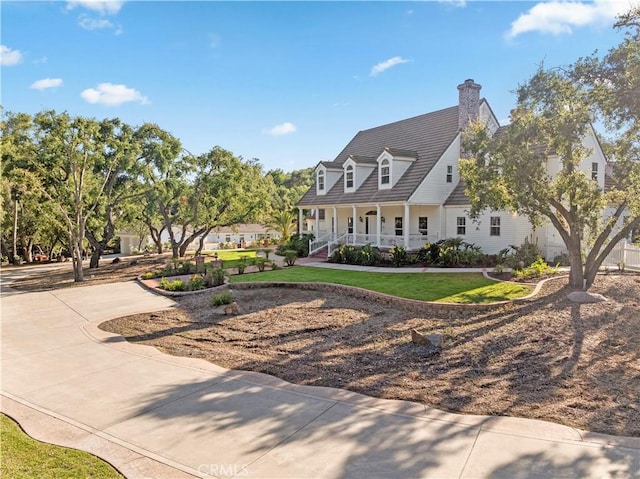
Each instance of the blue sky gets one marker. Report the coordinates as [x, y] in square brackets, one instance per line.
[288, 83]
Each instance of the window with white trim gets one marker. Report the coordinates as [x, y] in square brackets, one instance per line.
[461, 223]
[350, 224]
[594, 171]
[348, 177]
[398, 225]
[321, 180]
[423, 225]
[449, 173]
[321, 214]
[385, 172]
[495, 226]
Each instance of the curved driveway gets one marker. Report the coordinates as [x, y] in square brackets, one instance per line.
[154, 415]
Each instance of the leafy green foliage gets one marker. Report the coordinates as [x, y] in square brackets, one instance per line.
[554, 114]
[290, 257]
[298, 243]
[398, 255]
[222, 299]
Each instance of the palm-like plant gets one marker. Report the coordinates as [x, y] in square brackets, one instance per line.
[283, 221]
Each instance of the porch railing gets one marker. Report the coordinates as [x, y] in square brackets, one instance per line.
[319, 243]
[336, 243]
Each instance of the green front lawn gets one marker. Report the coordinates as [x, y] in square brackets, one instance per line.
[25, 458]
[442, 287]
[230, 258]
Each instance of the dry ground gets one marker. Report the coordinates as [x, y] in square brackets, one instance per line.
[547, 359]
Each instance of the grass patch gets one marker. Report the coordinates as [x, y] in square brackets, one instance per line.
[442, 287]
[231, 258]
[25, 458]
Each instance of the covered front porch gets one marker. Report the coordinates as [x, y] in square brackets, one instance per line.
[381, 225]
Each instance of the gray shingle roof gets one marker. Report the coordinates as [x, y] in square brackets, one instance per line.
[457, 196]
[425, 137]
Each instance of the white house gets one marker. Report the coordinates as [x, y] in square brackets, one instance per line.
[398, 184]
[242, 234]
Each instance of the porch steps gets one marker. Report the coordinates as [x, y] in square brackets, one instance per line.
[320, 255]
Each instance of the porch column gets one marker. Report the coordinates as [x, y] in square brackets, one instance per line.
[406, 225]
[354, 222]
[317, 223]
[378, 225]
[334, 228]
[300, 214]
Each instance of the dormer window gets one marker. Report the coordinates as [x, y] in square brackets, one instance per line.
[320, 181]
[348, 177]
[385, 172]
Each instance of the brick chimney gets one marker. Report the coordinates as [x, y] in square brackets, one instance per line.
[468, 103]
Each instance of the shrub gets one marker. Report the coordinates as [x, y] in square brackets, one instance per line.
[536, 269]
[176, 285]
[398, 255]
[242, 264]
[562, 260]
[148, 275]
[215, 277]
[298, 243]
[197, 282]
[266, 252]
[368, 256]
[261, 263]
[526, 253]
[274, 266]
[290, 257]
[222, 298]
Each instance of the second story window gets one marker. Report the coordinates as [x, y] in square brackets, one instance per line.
[348, 178]
[449, 174]
[385, 173]
[594, 171]
[495, 226]
[320, 180]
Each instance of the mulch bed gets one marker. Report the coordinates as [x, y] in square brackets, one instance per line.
[545, 359]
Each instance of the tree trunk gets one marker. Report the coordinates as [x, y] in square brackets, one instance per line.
[14, 251]
[95, 257]
[576, 273]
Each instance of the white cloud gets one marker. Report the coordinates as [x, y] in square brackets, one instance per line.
[385, 65]
[104, 7]
[46, 83]
[560, 17]
[9, 57]
[88, 23]
[112, 95]
[455, 3]
[282, 129]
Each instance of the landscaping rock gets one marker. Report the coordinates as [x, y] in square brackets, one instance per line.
[432, 340]
[418, 338]
[582, 297]
[232, 309]
[115, 261]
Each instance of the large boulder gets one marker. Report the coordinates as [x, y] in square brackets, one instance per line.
[582, 297]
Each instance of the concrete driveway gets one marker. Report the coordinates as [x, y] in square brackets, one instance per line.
[154, 415]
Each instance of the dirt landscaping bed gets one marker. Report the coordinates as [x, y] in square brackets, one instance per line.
[545, 359]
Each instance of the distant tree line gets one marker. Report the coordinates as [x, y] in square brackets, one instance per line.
[70, 183]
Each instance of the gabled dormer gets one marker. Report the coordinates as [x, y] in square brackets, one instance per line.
[327, 174]
[392, 164]
[356, 169]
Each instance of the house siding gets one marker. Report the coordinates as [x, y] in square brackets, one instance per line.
[434, 189]
[514, 229]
